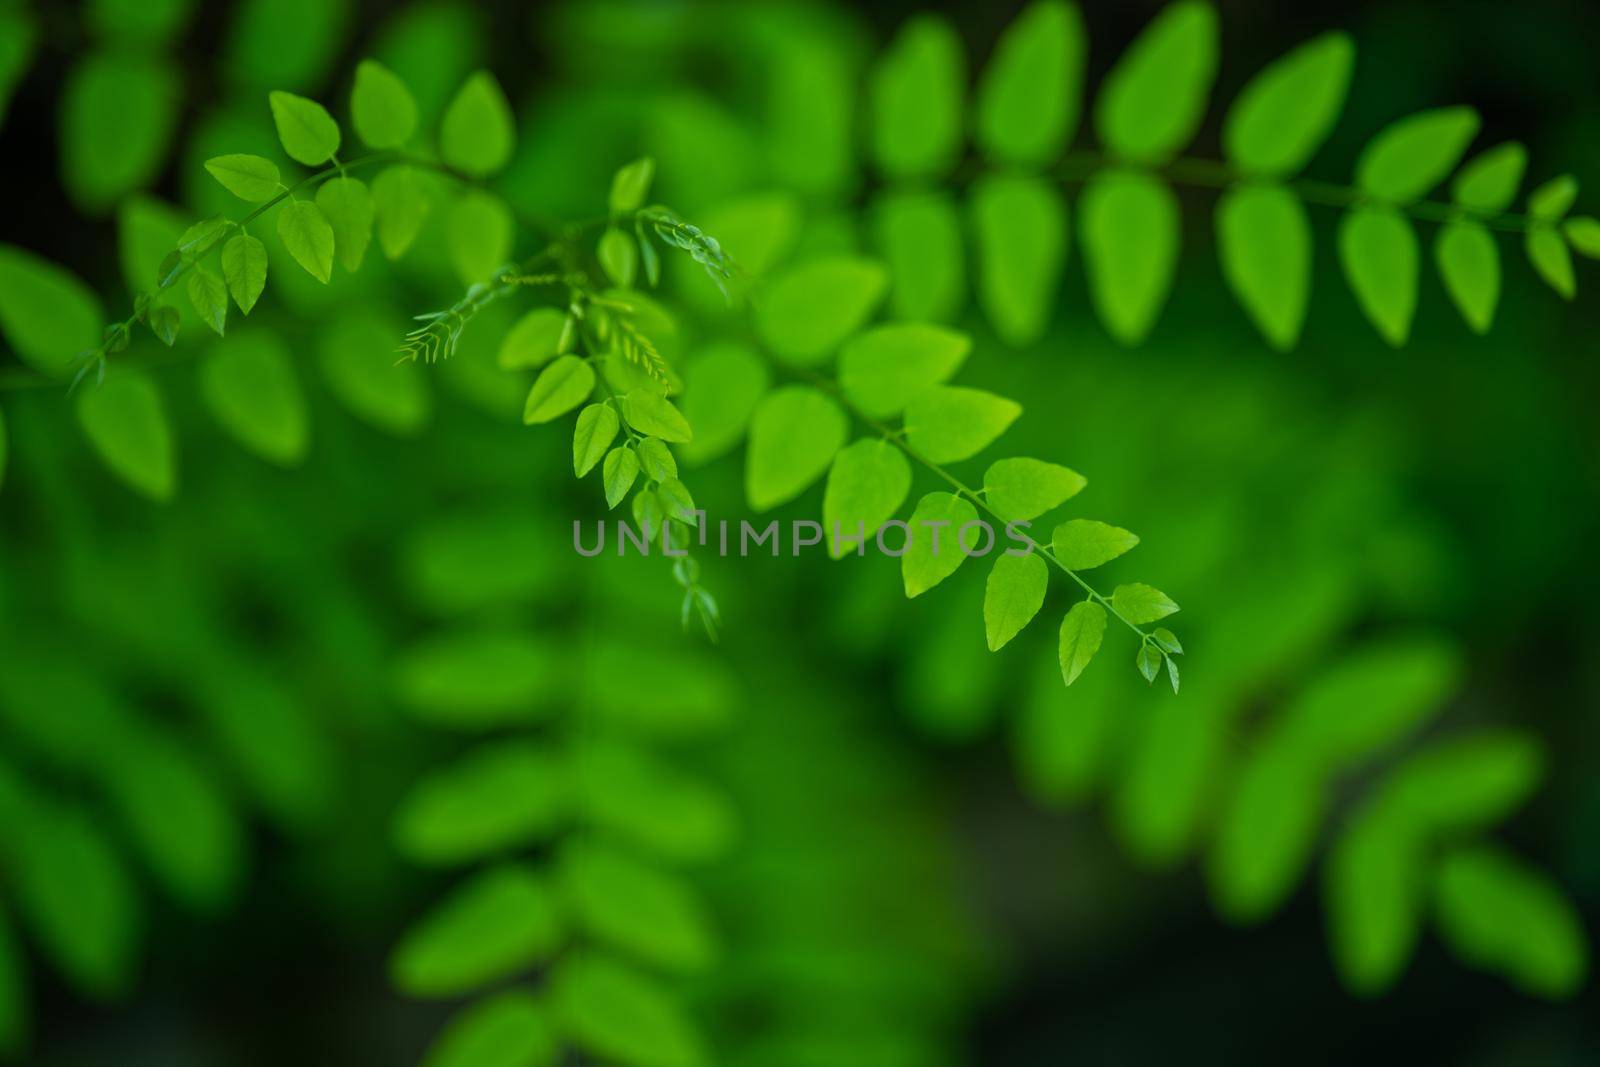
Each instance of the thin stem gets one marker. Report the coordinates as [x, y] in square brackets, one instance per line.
[897, 438]
[1078, 167]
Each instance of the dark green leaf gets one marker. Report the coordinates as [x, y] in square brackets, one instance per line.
[251, 387]
[621, 1016]
[1469, 263]
[498, 797]
[501, 921]
[1378, 250]
[1284, 113]
[1409, 157]
[509, 1029]
[126, 422]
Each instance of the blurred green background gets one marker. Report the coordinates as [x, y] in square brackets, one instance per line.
[934, 854]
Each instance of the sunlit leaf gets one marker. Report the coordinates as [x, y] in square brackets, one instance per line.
[1411, 156]
[305, 129]
[480, 230]
[1378, 251]
[1021, 231]
[500, 796]
[244, 269]
[1489, 183]
[882, 368]
[650, 413]
[794, 434]
[560, 387]
[1264, 243]
[1285, 112]
[1153, 100]
[915, 97]
[1131, 226]
[933, 552]
[721, 389]
[250, 178]
[1013, 596]
[1082, 629]
[806, 312]
[308, 237]
[499, 922]
[1082, 544]
[1139, 603]
[947, 423]
[1032, 89]
[1022, 489]
[867, 484]
[1469, 263]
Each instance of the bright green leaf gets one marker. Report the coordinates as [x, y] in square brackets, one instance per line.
[1023, 489]
[619, 257]
[250, 178]
[881, 369]
[358, 363]
[1153, 100]
[533, 340]
[499, 922]
[915, 99]
[251, 387]
[1082, 630]
[633, 907]
[1013, 596]
[1551, 258]
[1264, 242]
[1082, 544]
[209, 298]
[1032, 89]
[794, 434]
[1378, 250]
[560, 387]
[867, 484]
[306, 130]
[305, 232]
[1411, 156]
[1285, 112]
[127, 424]
[481, 231]
[1131, 226]
[477, 134]
[1583, 233]
[1488, 184]
[947, 423]
[618, 473]
[650, 413]
[721, 389]
[1498, 913]
[806, 312]
[500, 796]
[621, 1016]
[656, 459]
[1553, 199]
[1140, 603]
[48, 316]
[476, 678]
[347, 205]
[401, 204]
[118, 111]
[630, 186]
[244, 269]
[934, 552]
[1469, 263]
[919, 236]
[597, 428]
[381, 106]
[1021, 227]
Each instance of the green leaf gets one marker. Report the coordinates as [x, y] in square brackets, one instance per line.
[119, 109]
[203, 236]
[1550, 257]
[1553, 199]
[1378, 250]
[499, 922]
[619, 1015]
[881, 369]
[633, 794]
[209, 298]
[306, 130]
[1285, 113]
[48, 316]
[305, 232]
[560, 387]
[647, 514]
[127, 424]
[867, 484]
[1013, 596]
[509, 1029]
[480, 230]
[1021, 228]
[533, 340]
[1583, 234]
[1496, 912]
[1167, 641]
[1023, 489]
[1411, 156]
[618, 473]
[1083, 544]
[79, 901]
[676, 501]
[1488, 184]
[1466, 784]
[251, 387]
[809, 310]
[381, 106]
[164, 323]
[1131, 227]
[1370, 699]
[479, 678]
[358, 363]
[250, 178]
[619, 257]
[794, 434]
[347, 206]
[597, 428]
[919, 236]
[1264, 242]
[933, 550]
[1140, 603]
[1153, 100]
[1469, 263]
[501, 796]
[244, 268]
[179, 818]
[1032, 89]
[631, 185]
[1149, 662]
[650, 413]
[1267, 833]
[1082, 629]
[722, 387]
[477, 134]
[656, 458]
[633, 907]
[915, 99]
[401, 205]
[1373, 889]
[948, 423]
